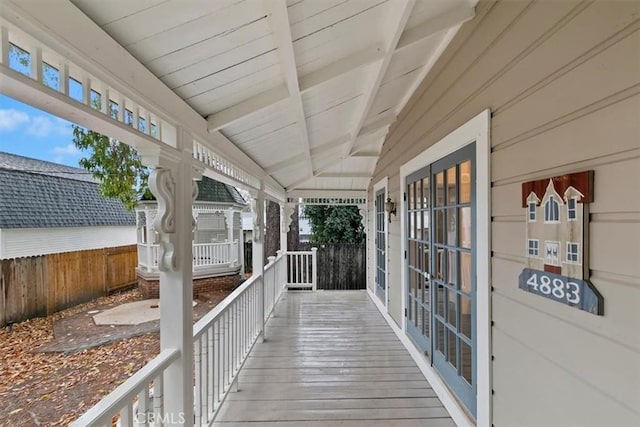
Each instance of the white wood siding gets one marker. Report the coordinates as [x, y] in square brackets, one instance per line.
[563, 82]
[22, 242]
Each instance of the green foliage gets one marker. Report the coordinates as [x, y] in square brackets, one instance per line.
[116, 165]
[335, 224]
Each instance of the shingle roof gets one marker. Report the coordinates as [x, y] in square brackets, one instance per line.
[210, 190]
[38, 194]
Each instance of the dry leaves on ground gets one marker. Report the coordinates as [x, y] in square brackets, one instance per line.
[54, 388]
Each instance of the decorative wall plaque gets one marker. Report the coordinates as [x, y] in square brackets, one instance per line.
[557, 214]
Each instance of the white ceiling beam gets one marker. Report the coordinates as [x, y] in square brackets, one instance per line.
[287, 163]
[397, 21]
[456, 16]
[246, 108]
[295, 160]
[308, 82]
[341, 67]
[343, 175]
[296, 194]
[373, 154]
[316, 79]
[281, 28]
[373, 127]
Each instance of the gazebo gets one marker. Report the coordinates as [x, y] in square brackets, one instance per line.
[218, 256]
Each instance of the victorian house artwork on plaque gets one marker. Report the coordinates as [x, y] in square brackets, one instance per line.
[557, 240]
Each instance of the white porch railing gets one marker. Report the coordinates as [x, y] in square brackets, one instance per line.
[204, 255]
[222, 340]
[138, 401]
[302, 269]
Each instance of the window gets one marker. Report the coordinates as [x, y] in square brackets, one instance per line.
[533, 247]
[551, 210]
[572, 212]
[532, 211]
[572, 252]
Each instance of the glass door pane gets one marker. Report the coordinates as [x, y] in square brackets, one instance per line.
[418, 264]
[381, 274]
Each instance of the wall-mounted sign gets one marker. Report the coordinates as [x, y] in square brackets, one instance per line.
[557, 214]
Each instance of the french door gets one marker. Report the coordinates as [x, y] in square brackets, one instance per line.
[381, 245]
[440, 264]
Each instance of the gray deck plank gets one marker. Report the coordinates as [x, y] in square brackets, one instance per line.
[330, 359]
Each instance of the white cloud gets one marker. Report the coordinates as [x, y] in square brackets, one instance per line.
[60, 153]
[11, 119]
[41, 126]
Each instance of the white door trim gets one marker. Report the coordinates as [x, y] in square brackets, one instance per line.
[475, 130]
[383, 183]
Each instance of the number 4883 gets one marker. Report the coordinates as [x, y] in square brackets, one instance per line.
[557, 288]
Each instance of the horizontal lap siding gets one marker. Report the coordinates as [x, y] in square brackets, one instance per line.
[563, 82]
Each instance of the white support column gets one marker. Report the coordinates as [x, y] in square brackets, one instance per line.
[257, 209]
[149, 238]
[286, 210]
[172, 183]
[241, 248]
[228, 216]
[314, 268]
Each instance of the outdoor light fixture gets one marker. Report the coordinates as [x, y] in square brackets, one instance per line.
[390, 207]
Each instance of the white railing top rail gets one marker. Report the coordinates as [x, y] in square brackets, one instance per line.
[218, 310]
[127, 391]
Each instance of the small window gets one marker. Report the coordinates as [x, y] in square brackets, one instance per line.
[572, 213]
[551, 210]
[572, 252]
[533, 247]
[532, 211]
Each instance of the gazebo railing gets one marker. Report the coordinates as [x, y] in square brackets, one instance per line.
[204, 255]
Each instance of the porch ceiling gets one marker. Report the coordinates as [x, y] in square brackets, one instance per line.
[307, 89]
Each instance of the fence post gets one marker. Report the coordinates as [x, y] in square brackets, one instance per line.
[314, 268]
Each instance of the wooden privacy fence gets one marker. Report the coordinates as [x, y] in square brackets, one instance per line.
[341, 267]
[41, 285]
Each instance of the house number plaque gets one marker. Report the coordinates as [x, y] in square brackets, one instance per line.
[557, 215]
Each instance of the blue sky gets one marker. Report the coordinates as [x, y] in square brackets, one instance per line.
[30, 132]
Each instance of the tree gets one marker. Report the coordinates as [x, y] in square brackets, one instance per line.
[335, 224]
[272, 233]
[117, 166]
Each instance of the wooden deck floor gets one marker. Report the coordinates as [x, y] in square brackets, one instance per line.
[330, 359]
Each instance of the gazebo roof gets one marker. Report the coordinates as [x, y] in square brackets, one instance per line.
[210, 190]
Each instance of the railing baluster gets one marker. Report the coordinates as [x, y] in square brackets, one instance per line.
[126, 416]
[197, 360]
[158, 396]
[210, 372]
[142, 416]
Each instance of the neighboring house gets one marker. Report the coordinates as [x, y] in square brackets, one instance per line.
[48, 208]
[61, 242]
[218, 253]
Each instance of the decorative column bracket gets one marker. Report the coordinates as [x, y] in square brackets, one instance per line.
[163, 187]
[286, 219]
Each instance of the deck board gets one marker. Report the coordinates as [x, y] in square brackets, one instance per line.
[330, 359]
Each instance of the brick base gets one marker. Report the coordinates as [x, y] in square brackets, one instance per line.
[151, 288]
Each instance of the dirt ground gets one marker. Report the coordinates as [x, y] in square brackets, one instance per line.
[53, 389]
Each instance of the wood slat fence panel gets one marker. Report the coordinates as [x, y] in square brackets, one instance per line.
[341, 267]
[41, 285]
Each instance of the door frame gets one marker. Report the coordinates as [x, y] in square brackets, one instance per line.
[476, 129]
[382, 184]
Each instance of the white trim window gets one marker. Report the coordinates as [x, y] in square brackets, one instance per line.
[551, 210]
[572, 209]
[532, 211]
[573, 252]
[533, 247]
